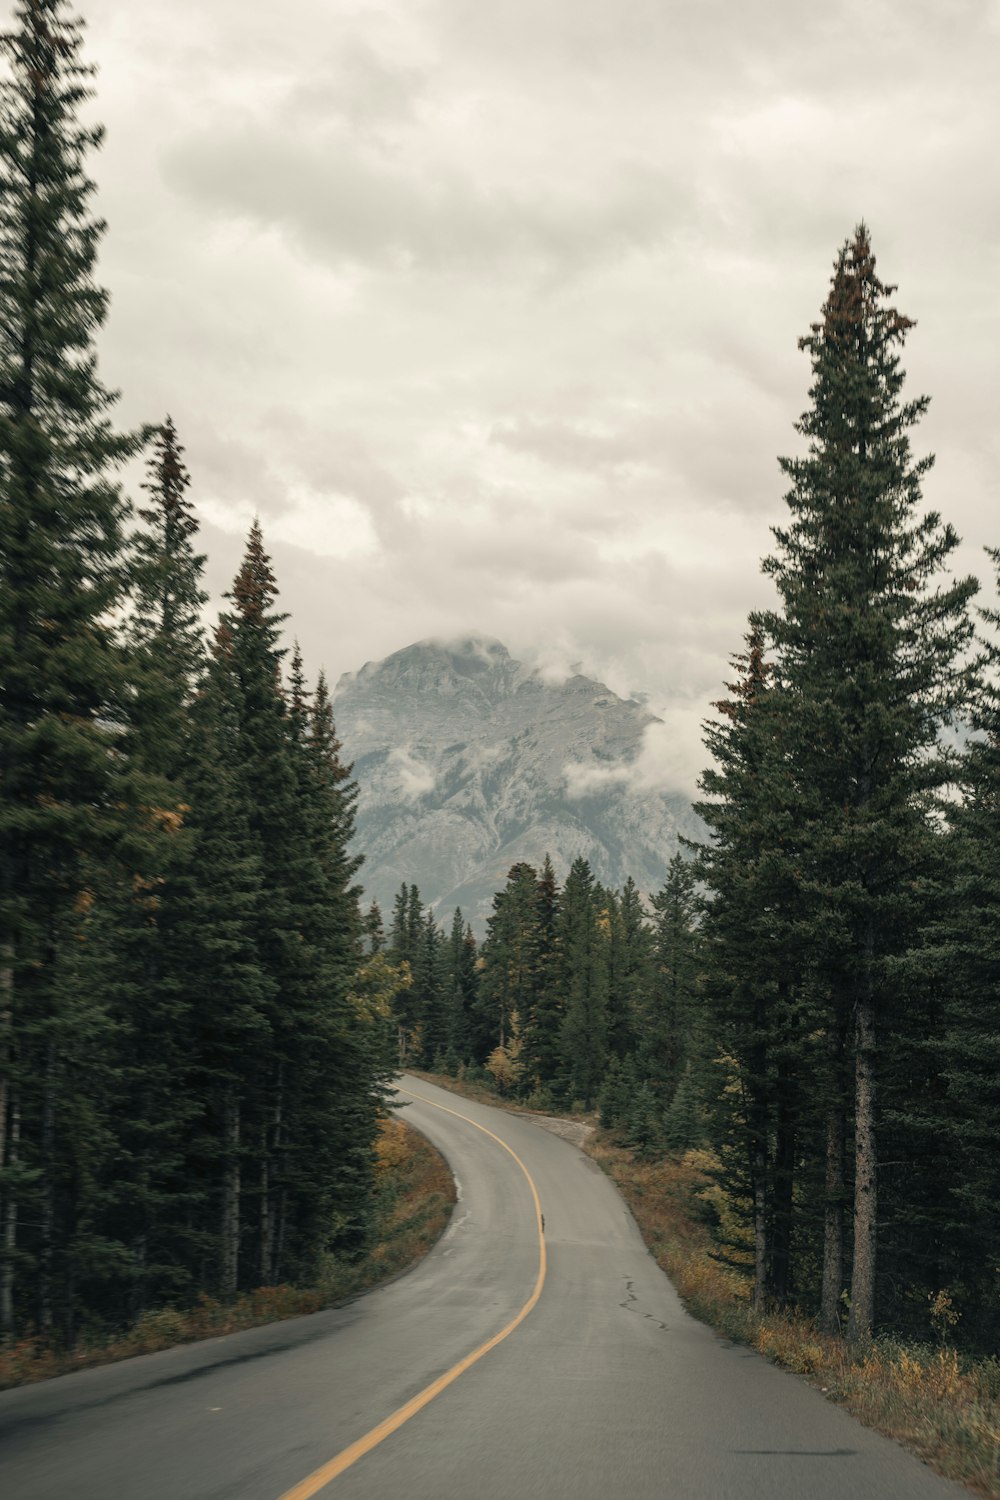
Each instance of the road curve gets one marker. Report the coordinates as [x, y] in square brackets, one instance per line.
[606, 1386]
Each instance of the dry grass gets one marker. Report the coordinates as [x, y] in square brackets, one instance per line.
[943, 1408]
[416, 1192]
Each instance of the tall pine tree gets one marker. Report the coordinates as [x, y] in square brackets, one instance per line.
[63, 575]
[870, 653]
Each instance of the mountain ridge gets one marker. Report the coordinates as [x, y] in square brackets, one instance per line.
[468, 761]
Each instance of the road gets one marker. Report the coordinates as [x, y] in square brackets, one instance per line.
[605, 1387]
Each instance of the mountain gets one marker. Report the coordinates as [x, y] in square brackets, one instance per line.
[468, 761]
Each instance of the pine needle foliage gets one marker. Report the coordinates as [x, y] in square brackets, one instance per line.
[63, 681]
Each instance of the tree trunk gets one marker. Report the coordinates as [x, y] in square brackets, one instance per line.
[265, 1208]
[859, 1327]
[784, 1185]
[6, 1042]
[833, 1222]
[137, 1291]
[279, 1236]
[758, 1155]
[833, 1212]
[759, 1228]
[7, 1328]
[277, 1218]
[229, 1277]
[138, 1295]
[46, 1258]
[69, 1288]
[9, 1132]
[785, 1132]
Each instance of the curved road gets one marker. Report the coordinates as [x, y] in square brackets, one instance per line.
[604, 1387]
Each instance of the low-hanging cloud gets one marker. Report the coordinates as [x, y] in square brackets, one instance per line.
[670, 759]
[413, 776]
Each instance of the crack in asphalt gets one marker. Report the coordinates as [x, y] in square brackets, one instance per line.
[630, 1297]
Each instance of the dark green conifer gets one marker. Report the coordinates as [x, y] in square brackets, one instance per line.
[960, 964]
[63, 676]
[682, 1125]
[510, 957]
[749, 911]
[582, 962]
[153, 1108]
[671, 1021]
[870, 646]
[216, 903]
[629, 968]
[374, 928]
[542, 1052]
[461, 979]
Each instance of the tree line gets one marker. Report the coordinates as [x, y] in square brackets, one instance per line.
[192, 1051]
[813, 994]
[575, 997]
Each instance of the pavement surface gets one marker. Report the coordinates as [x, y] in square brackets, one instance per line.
[606, 1387]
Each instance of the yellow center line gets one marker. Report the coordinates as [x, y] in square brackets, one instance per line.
[348, 1456]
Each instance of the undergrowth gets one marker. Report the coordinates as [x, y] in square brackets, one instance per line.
[943, 1407]
[415, 1193]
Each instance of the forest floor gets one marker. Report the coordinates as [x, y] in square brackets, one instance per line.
[941, 1405]
[415, 1195]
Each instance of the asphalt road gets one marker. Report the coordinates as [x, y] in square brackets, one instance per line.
[605, 1388]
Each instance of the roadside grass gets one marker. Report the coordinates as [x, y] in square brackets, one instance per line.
[415, 1195]
[942, 1406]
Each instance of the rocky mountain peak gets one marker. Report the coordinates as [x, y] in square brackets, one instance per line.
[468, 761]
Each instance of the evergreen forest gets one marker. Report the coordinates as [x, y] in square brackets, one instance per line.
[192, 1050]
[198, 1020]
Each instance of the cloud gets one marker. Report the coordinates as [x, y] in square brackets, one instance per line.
[586, 779]
[338, 198]
[670, 757]
[491, 312]
[415, 779]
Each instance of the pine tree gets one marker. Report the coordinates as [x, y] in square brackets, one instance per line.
[612, 1102]
[630, 968]
[401, 953]
[268, 786]
[63, 677]
[682, 1128]
[583, 944]
[749, 917]
[510, 956]
[149, 997]
[461, 978]
[670, 1027]
[543, 1022]
[214, 914]
[870, 657]
[347, 1074]
[165, 631]
[433, 975]
[374, 928]
[960, 961]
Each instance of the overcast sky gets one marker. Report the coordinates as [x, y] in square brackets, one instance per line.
[490, 310]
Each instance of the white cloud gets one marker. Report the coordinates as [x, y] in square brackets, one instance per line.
[588, 779]
[490, 312]
[414, 776]
[671, 756]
